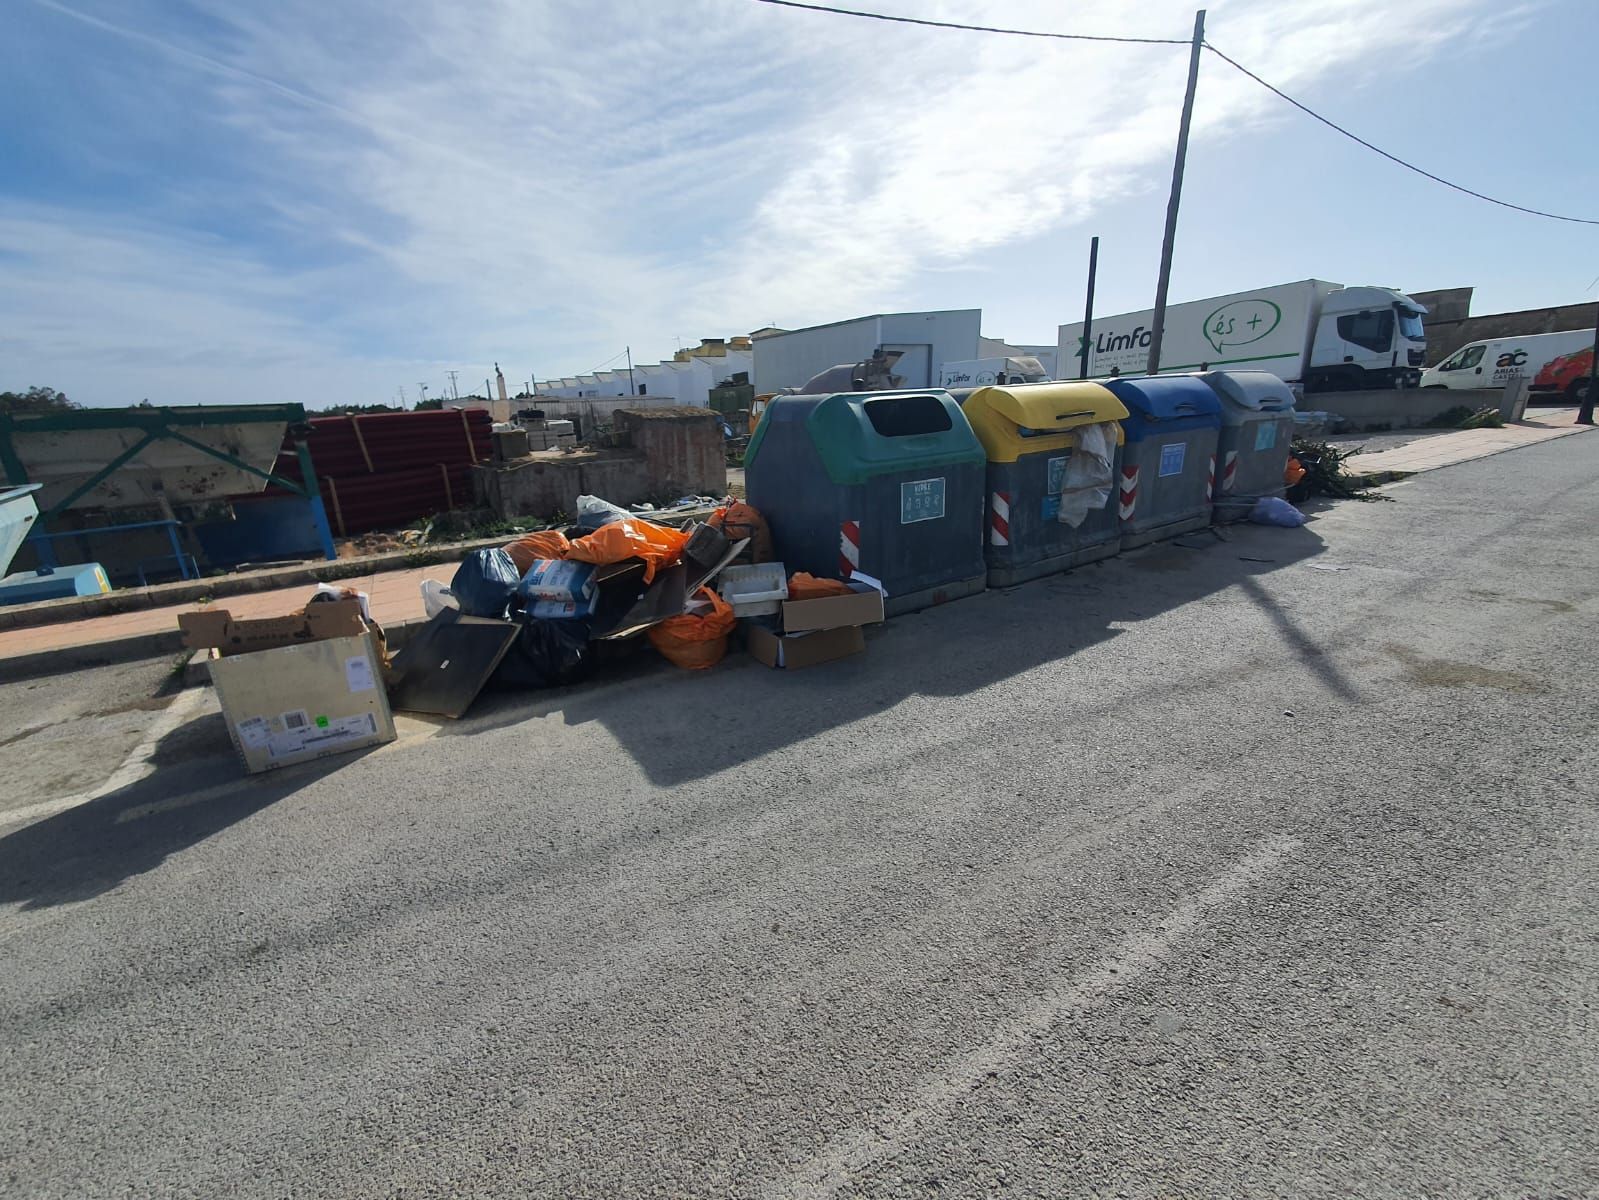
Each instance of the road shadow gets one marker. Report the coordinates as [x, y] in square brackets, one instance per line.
[84, 851]
[680, 726]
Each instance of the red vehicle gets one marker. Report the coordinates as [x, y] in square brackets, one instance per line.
[1566, 375]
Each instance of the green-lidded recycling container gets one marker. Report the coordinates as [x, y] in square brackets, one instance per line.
[886, 483]
[1030, 432]
[1168, 468]
[1257, 426]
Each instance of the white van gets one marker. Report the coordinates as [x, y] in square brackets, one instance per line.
[1497, 361]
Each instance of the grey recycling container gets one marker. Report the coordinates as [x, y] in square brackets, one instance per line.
[1168, 470]
[1257, 428]
[887, 483]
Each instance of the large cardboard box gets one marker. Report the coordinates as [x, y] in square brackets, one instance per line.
[303, 701]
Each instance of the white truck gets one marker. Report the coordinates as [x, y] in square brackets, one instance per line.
[1495, 362]
[1322, 336]
[980, 372]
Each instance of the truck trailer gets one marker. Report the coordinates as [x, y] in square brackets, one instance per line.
[1320, 336]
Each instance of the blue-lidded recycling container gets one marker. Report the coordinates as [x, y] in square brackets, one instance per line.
[1257, 426]
[887, 483]
[1168, 470]
[1043, 515]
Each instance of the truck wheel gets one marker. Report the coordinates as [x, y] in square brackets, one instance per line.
[1576, 390]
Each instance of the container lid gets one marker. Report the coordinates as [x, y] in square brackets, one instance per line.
[1167, 398]
[1258, 391]
[1026, 418]
[861, 435]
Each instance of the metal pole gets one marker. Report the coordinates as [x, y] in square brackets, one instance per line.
[1088, 308]
[631, 390]
[313, 493]
[1591, 393]
[1163, 284]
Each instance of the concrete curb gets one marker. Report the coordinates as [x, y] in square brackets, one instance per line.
[78, 608]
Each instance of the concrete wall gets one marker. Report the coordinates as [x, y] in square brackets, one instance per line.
[670, 452]
[1405, 409]
[1451, 329]
[682, 446]
[789, 359]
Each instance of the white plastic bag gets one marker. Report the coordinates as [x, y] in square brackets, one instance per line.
[436, 597]
[1086, 485]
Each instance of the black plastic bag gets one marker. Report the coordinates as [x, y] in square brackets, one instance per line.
[546, 654]
[485, 583]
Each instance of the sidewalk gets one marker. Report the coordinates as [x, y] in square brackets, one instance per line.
[1463, 445]
[396, 598]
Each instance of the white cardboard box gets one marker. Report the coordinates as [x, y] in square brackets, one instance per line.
[302, 702]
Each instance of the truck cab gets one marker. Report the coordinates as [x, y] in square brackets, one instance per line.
[1366, 337]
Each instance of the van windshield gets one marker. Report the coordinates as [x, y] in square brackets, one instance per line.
[1410, 324]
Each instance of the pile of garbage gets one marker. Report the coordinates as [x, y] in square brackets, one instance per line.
[553, 603]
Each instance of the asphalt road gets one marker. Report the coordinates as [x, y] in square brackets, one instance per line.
[1205, 872]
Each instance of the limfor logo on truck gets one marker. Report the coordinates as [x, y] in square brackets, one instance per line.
[1241, 322]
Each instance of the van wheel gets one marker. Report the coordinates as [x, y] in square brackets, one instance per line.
[1576, 390]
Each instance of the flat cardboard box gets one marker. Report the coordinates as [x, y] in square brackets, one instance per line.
[864, 607]
[304, 701]
[791, 651]
[218, 629]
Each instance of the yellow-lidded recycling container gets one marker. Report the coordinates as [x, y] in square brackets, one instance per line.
[1054, 451]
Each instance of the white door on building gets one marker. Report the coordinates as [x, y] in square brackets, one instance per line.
[915, 365]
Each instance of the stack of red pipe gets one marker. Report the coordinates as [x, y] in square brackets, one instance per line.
[385, 470]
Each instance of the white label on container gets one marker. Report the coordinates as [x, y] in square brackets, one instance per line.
[921, 500]
[254, 732]
[358, 673]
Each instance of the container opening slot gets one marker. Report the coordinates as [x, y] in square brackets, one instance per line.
[906, 416]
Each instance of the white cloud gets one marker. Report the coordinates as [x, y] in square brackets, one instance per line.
[542, 183]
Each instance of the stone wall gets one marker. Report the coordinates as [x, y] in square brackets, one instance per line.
[1404, 409]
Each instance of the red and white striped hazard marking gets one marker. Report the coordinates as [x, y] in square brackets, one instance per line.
[1229, 472]
[1129, 492]
[1210, 479]
[849, 548]
[999, 520]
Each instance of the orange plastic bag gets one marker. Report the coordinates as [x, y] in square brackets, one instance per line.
[1293, 472]
[803, 586]
[626, 538]
[737, 521]
[530, 547]
[695, 642]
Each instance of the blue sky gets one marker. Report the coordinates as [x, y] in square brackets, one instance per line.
[327, 202]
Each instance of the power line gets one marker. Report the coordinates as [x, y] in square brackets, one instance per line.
[1394, 158]
[1278, 92]
[1037, 33]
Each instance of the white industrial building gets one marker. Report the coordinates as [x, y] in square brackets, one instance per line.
[685, 379]
[925, 340]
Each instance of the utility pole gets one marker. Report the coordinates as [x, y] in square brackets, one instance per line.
[1591, 392]
[1088, 310]
[422, 390]
[402, 396]
[454, 391]
[1163, 284]
[631, 390]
